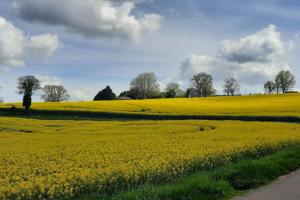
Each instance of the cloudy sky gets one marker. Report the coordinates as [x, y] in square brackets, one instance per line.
[86, 45]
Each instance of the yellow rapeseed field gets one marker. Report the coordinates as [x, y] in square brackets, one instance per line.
[258, 105]
[52, 159]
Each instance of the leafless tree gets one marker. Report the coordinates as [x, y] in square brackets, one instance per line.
[55, 93]
[231, 87]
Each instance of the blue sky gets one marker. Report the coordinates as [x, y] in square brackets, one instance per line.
[181, 37]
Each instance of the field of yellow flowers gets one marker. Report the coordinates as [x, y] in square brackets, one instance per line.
[44, 159]
[256, 105]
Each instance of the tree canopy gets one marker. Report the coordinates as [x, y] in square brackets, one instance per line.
[105, 94]
[203, 83]
[285, 81]
[27, 85]
[269, 87]
[173, 90]
[145, 86]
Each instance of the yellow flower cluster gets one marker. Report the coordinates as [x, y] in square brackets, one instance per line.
[44, 159]
[256, 105]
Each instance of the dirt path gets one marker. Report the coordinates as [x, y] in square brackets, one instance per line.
[285, 188]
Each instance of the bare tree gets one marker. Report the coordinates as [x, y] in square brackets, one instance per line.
[173, 90]
[145, 86]
[269, 87]
[231, 87]
[203, 83]
[285, 81]
[55, 93]
[27, 85]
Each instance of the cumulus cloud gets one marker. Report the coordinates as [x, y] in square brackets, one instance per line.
[108, 18]
[195, 63]
[48, 80]
[251, 59]
[16, 48]
[43, 45]
[83, 94]
[263, 47]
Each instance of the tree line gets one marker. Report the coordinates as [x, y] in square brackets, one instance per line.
[146, 86]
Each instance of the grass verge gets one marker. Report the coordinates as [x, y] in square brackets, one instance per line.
[221, 183]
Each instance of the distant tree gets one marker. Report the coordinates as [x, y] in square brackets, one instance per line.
[55, 93]
[285, 81]
[105, 94]
[131, 93]
[191, 92]
[27, 85]
[145, 86]
[231, 87]
[269, 87]
[203, 83]
[124, 93]
[173, 90]
[128, 93]
[188, 93]
[277, 85]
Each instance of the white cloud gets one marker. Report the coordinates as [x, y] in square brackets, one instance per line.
[151, 22]
[83, 94]
[43, 45]
[108, 18]
[16, 48]
[49, 80]
[251, 59]
[263, 47]
[197, 63]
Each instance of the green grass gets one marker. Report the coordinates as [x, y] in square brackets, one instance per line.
[221, 183]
